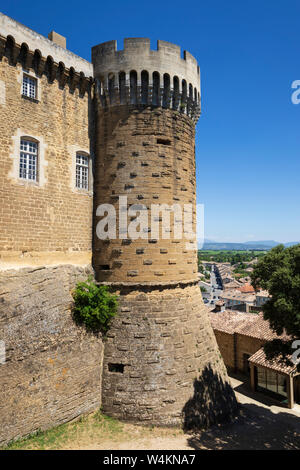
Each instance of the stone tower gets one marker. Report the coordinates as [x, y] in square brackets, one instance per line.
[161, 361]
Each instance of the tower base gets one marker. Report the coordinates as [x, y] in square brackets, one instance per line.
[162, 365]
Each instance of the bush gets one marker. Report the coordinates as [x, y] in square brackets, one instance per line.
[94, 305]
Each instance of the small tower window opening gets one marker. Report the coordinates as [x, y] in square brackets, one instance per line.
[155, 93]
[190, 100]
[175, 92]
[28, 159]
[29, 87]
[145, 85]
[82, 171]
[166, 94]
[133, 87]
[122, 87]
[163, 141]
[111, 87]
[184, 94]
[119, 368]
[195, 95]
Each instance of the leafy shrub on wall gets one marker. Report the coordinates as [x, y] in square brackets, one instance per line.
[94, 306]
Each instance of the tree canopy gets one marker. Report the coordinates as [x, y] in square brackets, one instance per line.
[278, 272]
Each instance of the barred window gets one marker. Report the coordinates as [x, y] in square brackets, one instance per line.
[29, 87]
[82, 171]
[28, 160]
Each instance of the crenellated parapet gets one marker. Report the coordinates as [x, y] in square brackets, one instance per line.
[138, 75]
[33, 51]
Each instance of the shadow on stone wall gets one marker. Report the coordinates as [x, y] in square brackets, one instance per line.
[213, 402]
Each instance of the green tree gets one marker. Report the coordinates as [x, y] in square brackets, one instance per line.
[279, 273]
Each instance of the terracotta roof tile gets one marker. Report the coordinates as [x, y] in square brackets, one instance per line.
[246, 288]
[259, 359]
[247, 324]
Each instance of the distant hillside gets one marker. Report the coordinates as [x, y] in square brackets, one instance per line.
[269, 243]
[255, 245]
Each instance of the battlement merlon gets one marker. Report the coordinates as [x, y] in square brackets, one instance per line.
[138, 56]
[34, 41]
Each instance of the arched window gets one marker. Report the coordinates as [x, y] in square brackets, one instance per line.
[36, 61]
[175, 92]
[166, 93]
[28, 164]
[145, 85]
[49, 68]
[122, 87]
[190, 100]
[24, 55]
[82, 170]
[155, 93]
[184, 94]
[9, 48]
[133, 87]
[111, 87]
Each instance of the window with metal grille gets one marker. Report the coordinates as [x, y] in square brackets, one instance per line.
[29, 87]
[82, 171]
[28, 160]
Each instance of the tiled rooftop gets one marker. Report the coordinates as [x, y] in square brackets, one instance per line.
[247, 324]
[259, 359]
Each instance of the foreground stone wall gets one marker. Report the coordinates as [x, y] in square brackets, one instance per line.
[161, 363]
[53, 368]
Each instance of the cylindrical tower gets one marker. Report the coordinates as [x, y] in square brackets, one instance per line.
[162, 362]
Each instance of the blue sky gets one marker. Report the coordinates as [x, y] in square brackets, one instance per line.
[248, 136]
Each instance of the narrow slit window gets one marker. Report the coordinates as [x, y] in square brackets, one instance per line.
[82, 171]
[29, 87]
[28, 160]
[164, 141]
[105, 267]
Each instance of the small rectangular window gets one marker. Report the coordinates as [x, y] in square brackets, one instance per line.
[163, 141]
[116, 368]
[28, 160]
[82, 171]
[29, 87]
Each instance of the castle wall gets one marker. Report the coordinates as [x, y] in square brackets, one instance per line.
[162, 364]
[164, 343]
[49, 221]
[148, 156]
[53, 368]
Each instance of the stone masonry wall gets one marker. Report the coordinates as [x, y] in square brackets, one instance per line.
[161, 361]
[51, 220]
[226, 345]
[147, 155]
[53, 368]
[160, 349]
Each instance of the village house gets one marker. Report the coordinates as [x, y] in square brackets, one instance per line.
[240, 337]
